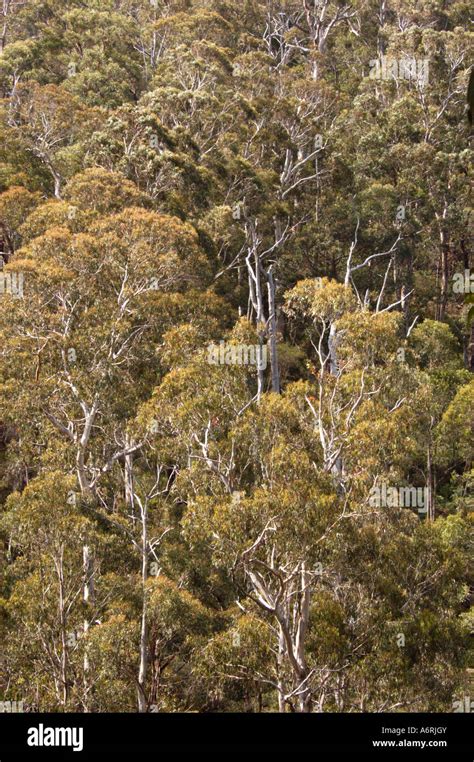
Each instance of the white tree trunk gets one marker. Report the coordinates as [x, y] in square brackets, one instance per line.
[142, 670]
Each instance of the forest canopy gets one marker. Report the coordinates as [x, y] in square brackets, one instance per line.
[236, 355]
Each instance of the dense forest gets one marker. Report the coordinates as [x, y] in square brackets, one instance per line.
[236, 356]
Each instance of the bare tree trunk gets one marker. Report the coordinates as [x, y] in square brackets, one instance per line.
[281, 662]
[64, 664]
[88, 594]
[444, 276]
[255, 294]
[142, 670]
[87, 559]
[3, 33]
[305, 698]
[128, 481]
[296, 654]
[260, 318]
[332, 346]
[273, 333]
[381, 24]
[57, 186]
[471, 350]
[430, 502]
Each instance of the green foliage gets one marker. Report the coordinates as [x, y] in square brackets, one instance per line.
[184, 526]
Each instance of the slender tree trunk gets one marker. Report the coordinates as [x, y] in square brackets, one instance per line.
[337, 468]
[260, 318]
[87, 558]
[305, 698]
[273, 333]
[470, 350]
[430, 484]
[128, 482]
[57, 185]
[88, 594]
[332, 346]
[64, 664]
[281, 662]
[142, 670]
[444, 275]
[3, 33]
[381, 24]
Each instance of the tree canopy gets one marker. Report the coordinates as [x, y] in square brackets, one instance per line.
[236, 355]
